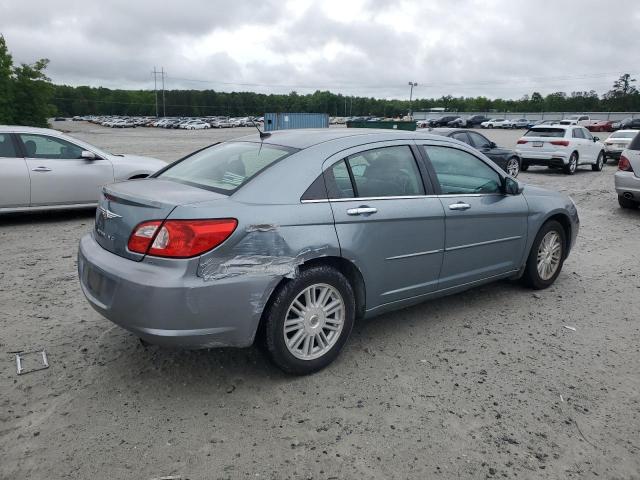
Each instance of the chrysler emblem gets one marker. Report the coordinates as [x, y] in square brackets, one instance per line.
[107, 214]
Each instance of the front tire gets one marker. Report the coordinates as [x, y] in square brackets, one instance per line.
[513, 166]
[572, 166]
[546, 257]
[309, 319]
[597, 167]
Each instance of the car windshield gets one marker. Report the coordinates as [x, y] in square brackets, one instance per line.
[545, 132]
[623, 134]
[225, 167]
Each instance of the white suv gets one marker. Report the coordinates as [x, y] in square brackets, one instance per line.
[562, 146]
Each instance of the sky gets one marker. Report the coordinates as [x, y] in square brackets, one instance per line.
[493, 48]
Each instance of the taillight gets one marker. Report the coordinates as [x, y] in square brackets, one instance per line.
[521, 141]
[624, 164]
[561, 143]
[180, 238]
[142, 236]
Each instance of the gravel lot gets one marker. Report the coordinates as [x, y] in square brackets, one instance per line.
[486, 384]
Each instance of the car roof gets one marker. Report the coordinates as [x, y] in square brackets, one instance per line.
[22, 129]
[308, 137]
[625, 131]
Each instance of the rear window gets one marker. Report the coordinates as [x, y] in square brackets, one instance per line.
[225, 167]
[545, 132]
[623, 134]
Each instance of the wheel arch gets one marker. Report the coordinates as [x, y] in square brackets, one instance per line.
[565, 222]
[344, 266]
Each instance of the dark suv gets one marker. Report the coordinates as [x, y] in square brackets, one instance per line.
[442, 121]
[506, 159]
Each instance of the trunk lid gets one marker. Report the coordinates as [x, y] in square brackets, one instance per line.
[124, 205]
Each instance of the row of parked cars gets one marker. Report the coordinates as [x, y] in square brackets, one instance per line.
[481, 121]
[185, 123]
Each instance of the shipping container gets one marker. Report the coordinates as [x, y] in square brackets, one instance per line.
[286, 121]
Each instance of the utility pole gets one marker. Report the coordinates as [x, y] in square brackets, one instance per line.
[411, 85]
[164, 106]
[155, 87]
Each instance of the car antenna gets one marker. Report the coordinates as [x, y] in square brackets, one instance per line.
[263, 135]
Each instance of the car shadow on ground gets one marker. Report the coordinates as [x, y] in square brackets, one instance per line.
[226, 365]
[54, 216]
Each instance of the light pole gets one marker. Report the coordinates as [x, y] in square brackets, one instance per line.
[411, 85]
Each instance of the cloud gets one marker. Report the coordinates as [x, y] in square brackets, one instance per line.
[362, 47]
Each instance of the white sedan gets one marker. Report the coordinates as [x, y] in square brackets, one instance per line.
[497, 123]
[196, 125]
[560, 146]
[42, 169]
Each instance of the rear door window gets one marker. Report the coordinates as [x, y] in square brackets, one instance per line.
[577, 133]
[385, 172]
[7, 148]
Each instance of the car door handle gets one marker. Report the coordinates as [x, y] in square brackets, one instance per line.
[362, 211]
[41, 169]
[459, 206]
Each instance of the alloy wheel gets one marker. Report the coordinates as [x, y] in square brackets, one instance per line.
[314, 321]
[549, 255]
[513, 167]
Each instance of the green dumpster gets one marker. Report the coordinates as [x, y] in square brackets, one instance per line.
[386, 124]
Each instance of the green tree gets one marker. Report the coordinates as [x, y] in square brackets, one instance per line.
[32, 93]
[6, 87]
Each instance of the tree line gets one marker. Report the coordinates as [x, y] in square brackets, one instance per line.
[103, 101]
[27, 97]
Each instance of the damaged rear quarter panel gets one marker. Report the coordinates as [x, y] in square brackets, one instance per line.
[269, 241]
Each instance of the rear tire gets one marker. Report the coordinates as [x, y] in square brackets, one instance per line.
[546, 257]
[572, 166]
[318, 307]
[627, 202]
[597, 167]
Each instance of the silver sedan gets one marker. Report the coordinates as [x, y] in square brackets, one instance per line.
[44, 169]
[290, 237]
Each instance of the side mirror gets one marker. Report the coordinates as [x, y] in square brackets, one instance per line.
[595, 139]
[492, 145]
[512, 186]
[87, 155]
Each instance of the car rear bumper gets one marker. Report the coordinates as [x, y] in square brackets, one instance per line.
[557, 158]
[627, 183]
[171, 305]
[613, 153]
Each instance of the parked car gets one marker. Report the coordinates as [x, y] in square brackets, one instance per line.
[507, 160]
[575, 120]
[422, 123]
[599, 125]
[468, 122]
[627, 178]
[520, 123]
[497, 123]
[221, 255]
[630, 123]
[442, 121]
[561, 146]
[42, 169]
[617, 142]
